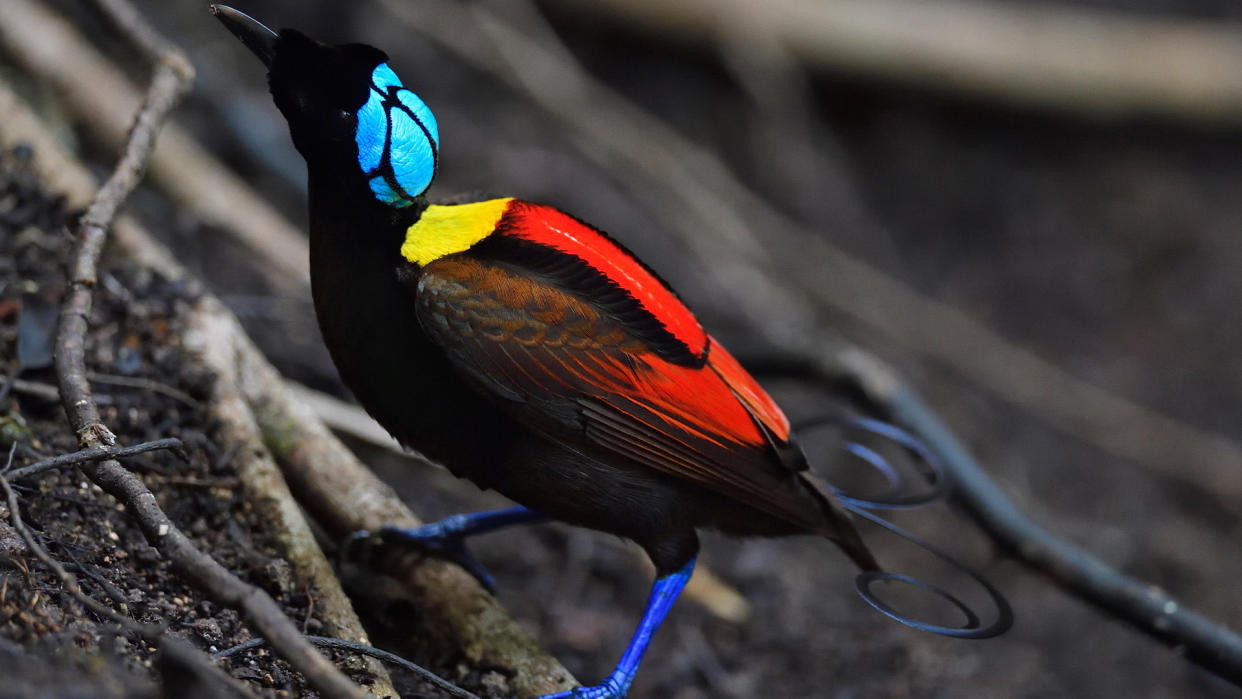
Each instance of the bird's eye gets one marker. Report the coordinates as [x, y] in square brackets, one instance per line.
[340, 123]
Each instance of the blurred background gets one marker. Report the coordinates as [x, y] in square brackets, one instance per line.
[1030, 209]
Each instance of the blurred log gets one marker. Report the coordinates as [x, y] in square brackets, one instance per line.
[49, 46]
[1066, 58]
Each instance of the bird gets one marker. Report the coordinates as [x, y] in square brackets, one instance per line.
[523, 348]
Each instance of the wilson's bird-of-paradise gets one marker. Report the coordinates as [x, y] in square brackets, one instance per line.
[523, 348]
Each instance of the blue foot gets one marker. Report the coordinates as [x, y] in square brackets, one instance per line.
[663, 594]
[446, 538]
[611, 688]
[434, 541]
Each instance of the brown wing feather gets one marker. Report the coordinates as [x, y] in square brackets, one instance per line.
[562, 367]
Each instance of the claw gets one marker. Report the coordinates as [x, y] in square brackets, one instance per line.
[351, 547]
[611, 688]
[443, 540]
[446, 538]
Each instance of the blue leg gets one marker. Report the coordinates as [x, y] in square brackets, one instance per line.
[663, 594]
[447, 537]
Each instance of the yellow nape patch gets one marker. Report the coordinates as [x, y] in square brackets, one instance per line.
[444, 230]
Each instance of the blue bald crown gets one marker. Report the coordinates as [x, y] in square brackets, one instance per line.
[398, 140]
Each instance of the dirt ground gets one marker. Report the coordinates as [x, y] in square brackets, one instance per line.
[146, 393]
[1109, 248]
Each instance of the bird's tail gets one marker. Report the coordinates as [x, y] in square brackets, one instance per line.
[841, 529]
[841, 508]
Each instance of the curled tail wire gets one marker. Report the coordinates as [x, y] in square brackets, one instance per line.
[900, 495]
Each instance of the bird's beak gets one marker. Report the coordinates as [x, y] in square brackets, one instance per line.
[256, 37]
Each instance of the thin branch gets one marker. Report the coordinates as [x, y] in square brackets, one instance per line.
[143, 384]
[362, 648]
[170, 82]
[94, 454]
[173, 75]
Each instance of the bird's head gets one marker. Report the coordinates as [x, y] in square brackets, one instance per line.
[346, 108]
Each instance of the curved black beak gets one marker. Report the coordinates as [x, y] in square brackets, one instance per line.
[257, 37]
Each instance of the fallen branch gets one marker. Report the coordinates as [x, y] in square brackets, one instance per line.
[45, 391]
[173, 75]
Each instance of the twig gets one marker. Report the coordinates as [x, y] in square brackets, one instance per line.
[45, 391]
[750, 246]
[355, 647]
[1144, 606]
[144, 384]
[471, 619]
[1056, 56]
[172, 78]
[94, 454]
[9, 378]
[109, 589]
[187, 672]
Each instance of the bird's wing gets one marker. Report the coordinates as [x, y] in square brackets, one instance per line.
[575, 354]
